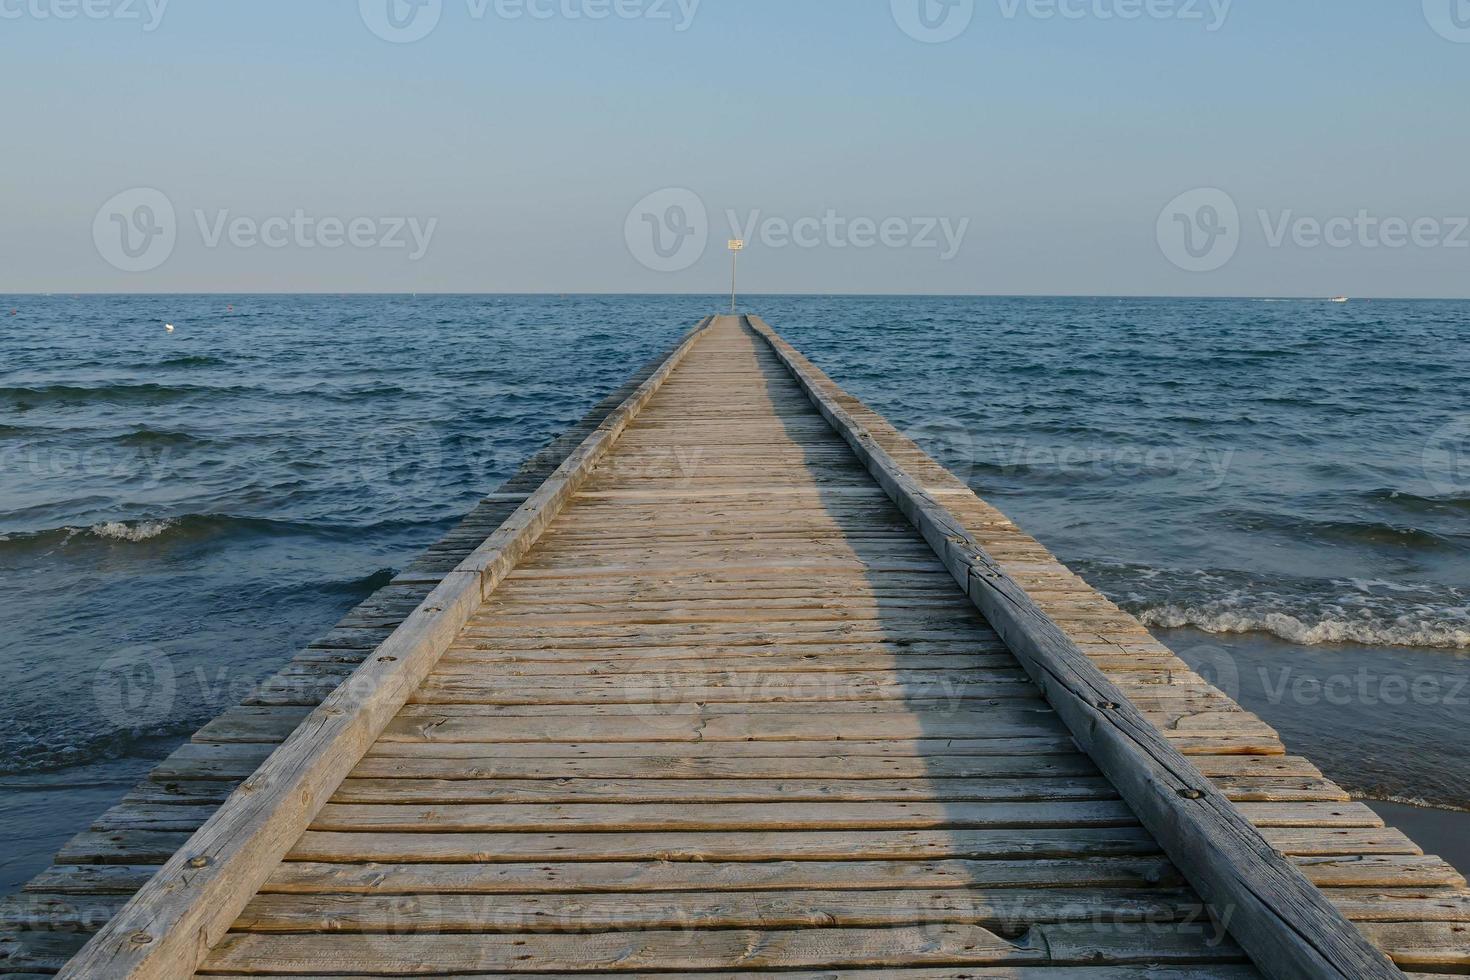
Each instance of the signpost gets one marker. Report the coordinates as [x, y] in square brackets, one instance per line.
[736, 247]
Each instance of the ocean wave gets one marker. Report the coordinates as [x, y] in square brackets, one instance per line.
[355, 588]
[127, 532]
[1409, 630]
[190, 361]
[146, 436]
[189, 527]
[53, 749]
[1378, 533]
[1419, 503]
[1301, 610]
[150, 393]
[1388, 796]
[136, 531]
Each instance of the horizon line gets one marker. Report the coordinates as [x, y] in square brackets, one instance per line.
[1307, 297]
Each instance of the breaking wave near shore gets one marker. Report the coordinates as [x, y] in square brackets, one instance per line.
[1305, 611]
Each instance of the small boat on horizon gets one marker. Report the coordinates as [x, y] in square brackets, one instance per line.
[1338, 299]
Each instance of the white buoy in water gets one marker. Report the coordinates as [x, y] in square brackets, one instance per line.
[169, 327]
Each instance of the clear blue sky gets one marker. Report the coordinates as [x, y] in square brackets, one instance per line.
[527, 142]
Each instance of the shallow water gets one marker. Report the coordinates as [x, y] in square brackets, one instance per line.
[1277, 486]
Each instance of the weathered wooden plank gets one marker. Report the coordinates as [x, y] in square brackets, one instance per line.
[949, 944]
[745, 726]
[758, 645]
[768, 845]
[1362, 870]
[1403, 905]
[1210, 972]
[870, 845]
[37, 952]
[445, 781]
[645, 818]
[669, 876]
[758, 660]
[423, 761]
[76, 879]
[745, 790]
[1002, 909]
[1385, 872]
[1439, 947]
[671, 752]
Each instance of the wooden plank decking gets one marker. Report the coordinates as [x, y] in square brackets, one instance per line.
[732, 715]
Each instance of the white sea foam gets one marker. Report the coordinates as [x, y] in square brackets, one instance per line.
[136, 531]
[1325, 628]
[1413, 801]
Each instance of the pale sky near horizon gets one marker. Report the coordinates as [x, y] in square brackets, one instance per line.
[288, 146]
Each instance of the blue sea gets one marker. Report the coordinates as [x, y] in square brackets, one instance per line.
[1280, 488]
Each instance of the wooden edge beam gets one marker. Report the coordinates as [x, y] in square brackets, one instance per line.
[1285, 923]
[165, 931]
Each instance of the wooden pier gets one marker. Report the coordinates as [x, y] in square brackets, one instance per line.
[734, 680]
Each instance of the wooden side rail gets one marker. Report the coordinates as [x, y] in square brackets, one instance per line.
[167, 928]
[1286, 924]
